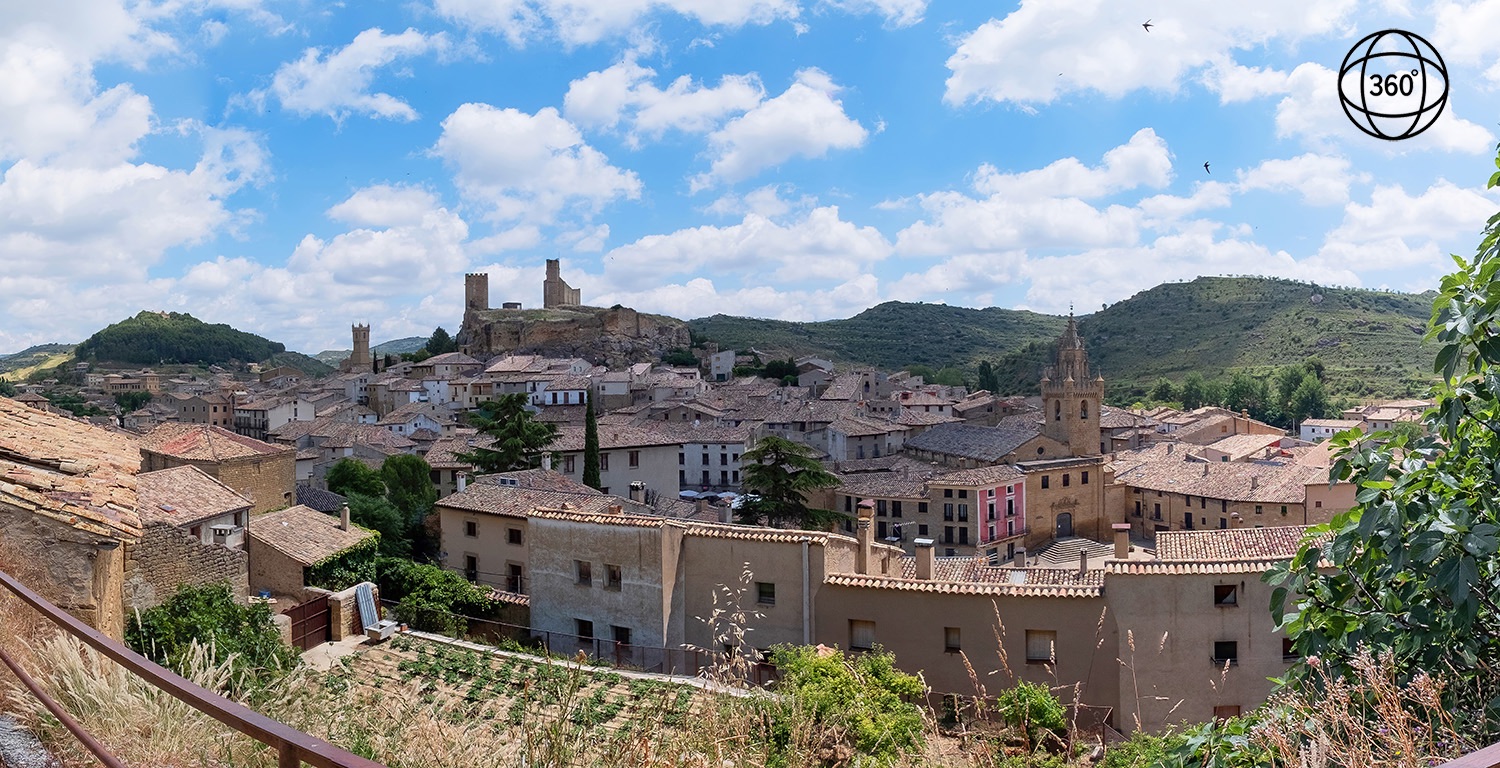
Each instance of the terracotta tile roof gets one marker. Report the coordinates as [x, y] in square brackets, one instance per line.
[71, 472]
[539, 480]
[514, 501]
[1119, 418]
[406, 413]
[1236, 544]
[203, 442]
[305, 534]
[1004, 582]
[443, 454]
[449, 358]
[1241, 446]
[999, 474]
[615, 436]
[970, 441]
[320, 499]
[596, 518]
[911, 418]
[185, 495]
[1258, 481]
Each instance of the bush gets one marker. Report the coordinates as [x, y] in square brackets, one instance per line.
[1032, 709]
[342, 571]
[865, 698]
[242, 635]
[425, 595]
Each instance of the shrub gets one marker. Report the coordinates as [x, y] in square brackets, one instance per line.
[1032, 709]
[866, 699]
[242, 636]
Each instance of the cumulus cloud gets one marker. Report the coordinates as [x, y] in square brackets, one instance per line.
[528, 166]
[807, 120]
[1465, 34]
[1318, 179]
[1142, 161]
[624, 93]
[1099, 45]
[337, 83]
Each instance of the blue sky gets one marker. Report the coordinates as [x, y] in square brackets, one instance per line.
[291, 168]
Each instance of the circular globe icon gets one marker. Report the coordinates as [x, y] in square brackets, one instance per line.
[1393, 84]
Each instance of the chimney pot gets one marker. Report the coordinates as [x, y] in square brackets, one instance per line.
[1254, 482]
[866, 534]
[1122, 540]
[1083, 561]
[1019, 560]
[463, 480]
[344, 518]
[926, 559]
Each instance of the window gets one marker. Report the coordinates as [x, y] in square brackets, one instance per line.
[1288, 653]
[947, 534]
[951, 642]
[948, 511]
[603, 462]
[861, 635]
[583, 628]
[723, 459]
[621, 635]
[963, 512]
[471, 567]
[963, 535]
[895, 509]
[197, 531]
[921, 507]
[1257, 509]
[1041, 646]
[1223, 523]
[568, 464]
[1226, 651]
[1085, 479]
[1317, 505]
[880, 507]
[1045, 481]
[1066, 477]
[612, 576]
[1057, 410]
[963, 494]
[1283, 510]
[1010, 507]
[1083, 409]
[682, 477]
[585, 572]
[1137, 508]
[1155, 511]
[922, 529]
[848, 503]
[947, 493]
[682, 459]
[471, 528]
[1226, 594]
[880, 530]
[705, 458]
[990, 493]
[765, 592]
[635, 458]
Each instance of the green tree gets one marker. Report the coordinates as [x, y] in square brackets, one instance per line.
[1032, 709]
[350, 477]
[680, 356]
[950, 377]
[778, 475]
[408, 484]
[131, 401]
[780, 369]
[520, 439]
[382, 517]
[242, 634]
[6, 388]
[1309, 400]
[591, 447]
[1194, 392]
[1164, 391]
[1247, 393]
[987, 379]
[440, 342]
[1414, 567]
[1287, 380]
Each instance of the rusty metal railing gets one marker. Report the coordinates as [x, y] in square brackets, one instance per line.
[1489, 757]
[293, 747]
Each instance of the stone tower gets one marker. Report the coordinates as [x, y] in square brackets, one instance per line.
[1071, 396]
[555, 292]
[359, 359]
[476, 291]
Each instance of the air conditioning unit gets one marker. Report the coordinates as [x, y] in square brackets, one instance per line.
[223, 532]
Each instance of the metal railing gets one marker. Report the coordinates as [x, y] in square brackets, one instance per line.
[293, 747]
[1489, 757]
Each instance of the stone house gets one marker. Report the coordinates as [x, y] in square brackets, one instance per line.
[627, 454]
[262, 472]
[194, 531]
[283, 545]
[68, 490]
[257, 418]
[962, 511]
[213, 408]
[1317, 430]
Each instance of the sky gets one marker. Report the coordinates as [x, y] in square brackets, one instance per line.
[291, 168]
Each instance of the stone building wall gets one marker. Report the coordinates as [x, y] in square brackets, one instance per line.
[81, 573]
[269, 481]
[168, 557]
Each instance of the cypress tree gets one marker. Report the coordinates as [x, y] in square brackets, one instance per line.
[591, 447]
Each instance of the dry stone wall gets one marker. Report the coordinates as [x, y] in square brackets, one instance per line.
[168, 557]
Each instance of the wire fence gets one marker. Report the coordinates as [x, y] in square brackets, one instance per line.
[616, 652]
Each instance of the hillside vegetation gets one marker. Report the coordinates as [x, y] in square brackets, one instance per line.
[1369, 341]
[308, 365]
[333, 357]
[166, 338]
[22, 364]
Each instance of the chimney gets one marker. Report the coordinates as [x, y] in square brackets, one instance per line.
[702, 505]
[1083, 562]
[1122, 541]
[637, 491]
[1169, 447]
[344, 518]
[726, 515]
[1205, 469]
[1019, 560]
[926, 559]
[866, 536]
[1254, 482]
[546, 460]
[463, 480]
[616, 509]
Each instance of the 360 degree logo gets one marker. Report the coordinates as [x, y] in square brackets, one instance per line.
[1393, 84]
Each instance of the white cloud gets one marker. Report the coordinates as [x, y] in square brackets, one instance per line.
[764, 201]
[528, 166]
[1142, 161]
[51, 107]
[700, 296]
[1465, 34]
[898, 13]
[384, 205]
[804, 121]
[1442, 212]
[337, 83]
[819, 246]
[1318, 179]
[624, 92]
[1100, 45]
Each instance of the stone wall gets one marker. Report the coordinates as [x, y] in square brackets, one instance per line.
[81, 573]
[269, 481]
[273, 571]
[615, 337]
[343, 612]
[168, 557]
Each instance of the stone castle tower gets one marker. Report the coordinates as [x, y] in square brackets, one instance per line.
[359, 359]
[1072, 395]
[476, 291]
[555, 292]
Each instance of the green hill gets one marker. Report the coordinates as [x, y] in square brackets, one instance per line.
[308, 365]
[393, 347]
[889, 335]
[1369, 341]
[19, 364]
[168, 338]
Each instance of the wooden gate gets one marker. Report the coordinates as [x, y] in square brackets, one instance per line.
[310, 623]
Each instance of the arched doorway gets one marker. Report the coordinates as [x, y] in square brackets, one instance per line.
[1064, 525]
